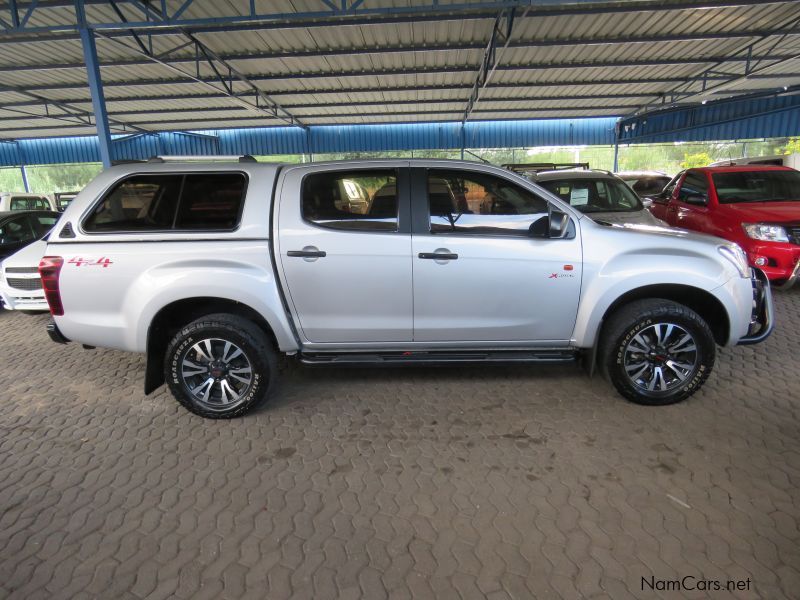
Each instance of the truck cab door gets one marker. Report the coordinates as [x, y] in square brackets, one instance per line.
[482, 270]
[691, 205]
[343, 250]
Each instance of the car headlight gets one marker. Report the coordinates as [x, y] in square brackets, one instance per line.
[765, 233]
[737, 257]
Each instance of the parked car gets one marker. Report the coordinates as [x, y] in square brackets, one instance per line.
[20, 284]
[20, 228]
[645, 183]
[779, 160]
[62, 199]
[598, 194]
[264, 259]
[15, 201]
[757, 207]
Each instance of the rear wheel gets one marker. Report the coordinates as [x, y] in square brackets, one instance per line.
[657, 352]
[220, 366]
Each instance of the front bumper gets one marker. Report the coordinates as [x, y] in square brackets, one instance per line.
[782, 259]
[792, 278]
[762, 320]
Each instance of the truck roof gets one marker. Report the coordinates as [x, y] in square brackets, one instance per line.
[734, 168]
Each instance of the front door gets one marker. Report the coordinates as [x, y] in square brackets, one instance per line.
[344, 248]
[480, 272]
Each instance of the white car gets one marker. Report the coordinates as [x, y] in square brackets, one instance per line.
[10, 201]
[212, 269]
[20, 284]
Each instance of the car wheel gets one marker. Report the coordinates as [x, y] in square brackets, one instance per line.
[657, 352]
[220, 366]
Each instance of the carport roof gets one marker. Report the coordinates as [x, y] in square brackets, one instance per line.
[179, 65]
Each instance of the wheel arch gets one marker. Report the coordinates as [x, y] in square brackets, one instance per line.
[704, 303]
[175, 315]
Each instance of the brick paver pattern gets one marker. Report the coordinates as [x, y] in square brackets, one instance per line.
[525, 482]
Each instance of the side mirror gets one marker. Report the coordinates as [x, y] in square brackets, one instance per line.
[559, 223]
[647, 202]
[696, 199]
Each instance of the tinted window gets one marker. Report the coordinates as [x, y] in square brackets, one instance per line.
[647, 186]
[211, 201]
[139, 203]
[354, 200]
[594, 195]
[16, 230]
[42, 204]
[757, 186]
[695, 184]
[468, 202]
[43, 223]
[150, 203]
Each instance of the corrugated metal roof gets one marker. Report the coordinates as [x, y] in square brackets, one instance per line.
[321, 139]
[362, 69]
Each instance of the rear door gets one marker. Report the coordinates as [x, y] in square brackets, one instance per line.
[344, 249]
[479, 274]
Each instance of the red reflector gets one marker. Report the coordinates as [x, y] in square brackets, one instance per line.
[568, 267]
[49, 270]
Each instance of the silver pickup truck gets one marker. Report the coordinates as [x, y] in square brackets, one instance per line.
[213, 268]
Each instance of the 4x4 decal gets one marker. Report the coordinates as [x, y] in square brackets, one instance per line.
[85, 262]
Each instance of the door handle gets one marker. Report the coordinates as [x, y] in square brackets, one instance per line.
[439, 255]
[307, 253]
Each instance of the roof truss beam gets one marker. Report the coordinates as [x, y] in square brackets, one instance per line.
[501, 34]
[65, 111]
[745, 63]
[225, 75]
[517, 44]
[349, 102]
[144, 16]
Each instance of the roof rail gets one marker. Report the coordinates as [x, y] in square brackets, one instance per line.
[244, 158]
[536, 167]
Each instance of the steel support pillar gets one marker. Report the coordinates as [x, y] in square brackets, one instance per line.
[98, 99]
[616, 147]
[25, 179]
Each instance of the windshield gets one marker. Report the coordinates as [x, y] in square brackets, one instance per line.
[757, 186]
[594, 195]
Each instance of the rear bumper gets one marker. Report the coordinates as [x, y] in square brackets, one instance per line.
[762, 320]
[55, 334]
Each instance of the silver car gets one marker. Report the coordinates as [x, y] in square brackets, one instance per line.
[600, 195]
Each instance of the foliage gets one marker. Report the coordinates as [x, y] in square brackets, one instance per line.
[49, 179]
[792, 146]
[698, 159]
[669, 158]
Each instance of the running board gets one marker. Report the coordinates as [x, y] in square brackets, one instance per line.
[437, 357]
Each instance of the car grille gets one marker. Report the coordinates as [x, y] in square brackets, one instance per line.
[22, 269]
[24, 284]
[794, 233]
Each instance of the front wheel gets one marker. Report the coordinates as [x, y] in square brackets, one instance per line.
[220, 366]
[657, 352]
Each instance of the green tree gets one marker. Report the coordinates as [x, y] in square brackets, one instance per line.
[698, 159]
[792, 146]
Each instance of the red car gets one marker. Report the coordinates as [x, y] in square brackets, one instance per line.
[758, 207]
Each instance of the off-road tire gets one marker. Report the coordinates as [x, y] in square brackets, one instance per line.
[631, 319]
[243, 333]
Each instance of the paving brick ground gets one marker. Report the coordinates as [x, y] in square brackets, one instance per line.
[457, 483]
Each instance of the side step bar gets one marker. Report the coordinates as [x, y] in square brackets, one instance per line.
[436, 357]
